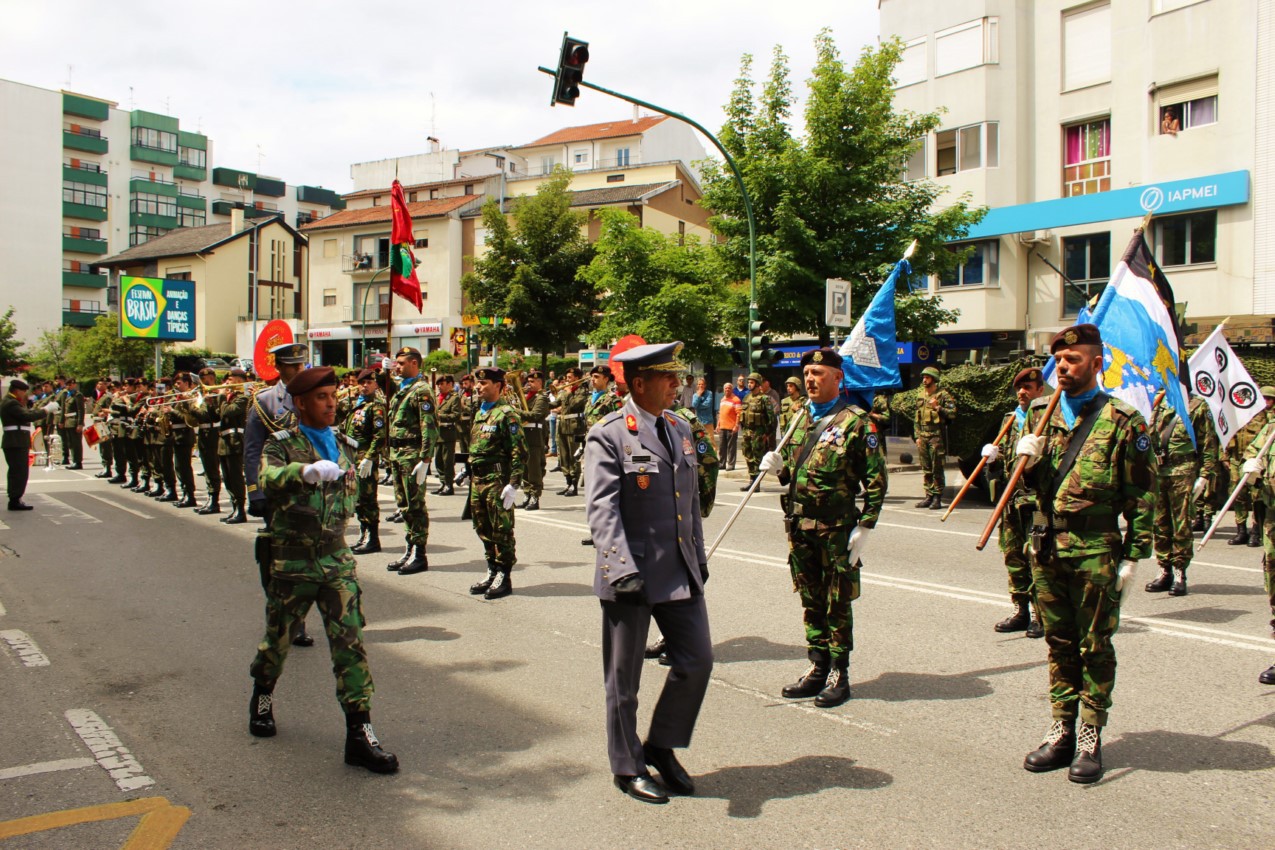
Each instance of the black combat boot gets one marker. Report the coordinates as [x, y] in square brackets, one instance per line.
[1259, 522]
[418, 563]
[1198, 524]
[936, 503]
[525, 502]
[362, 537]
[397, 564]
[480, 587]
[1088, 764]
[1267, 676]
[1057, 750]
[501, 585]
[460, 479]
[925, 503]
[1016, 622]
[170, 492]
[814, 679]
[140, 486]
[187, 502]
[301, 637]
[1179, 582]
[261, 713]
[212, 506]
[1241, 535]
[446, 490]
[132, 484]
[118, 478]
[373, 542]
[566, 491]
[533, 503]
[1162, 582]
[836, 689]
[1036, 628]
[362, 749]
[397, 516]
[236, 515]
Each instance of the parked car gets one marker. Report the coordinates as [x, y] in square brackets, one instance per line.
[244, 363]
[215, 363]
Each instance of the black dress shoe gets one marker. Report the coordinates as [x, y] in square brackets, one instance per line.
[655, 650]
[302, 638]
[642, 787]
[672, 775]
[20, 506]
[1057, 750]
[76, 466]
[1268, 676]
[105, 473]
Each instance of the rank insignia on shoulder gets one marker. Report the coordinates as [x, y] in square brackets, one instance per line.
[1142, 443]
[630, 422]
[280, 435]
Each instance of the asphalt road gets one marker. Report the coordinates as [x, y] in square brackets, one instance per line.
[127, 627]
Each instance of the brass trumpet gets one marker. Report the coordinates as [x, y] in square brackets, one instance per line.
[174, 398]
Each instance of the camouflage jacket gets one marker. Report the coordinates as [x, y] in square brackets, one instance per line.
[413, 423]
[571, 407]
[929, 419]
[1177, 456]
[497, 445]
[365, 424]
[845, 462]
[707, 457]
[757, 413]
[1025, 493]
[1237, 449]
[71, 410]
[1114, 474]
[881, 414]
[1208, 449]
[307, 529]
[234, 416]
[535, 419]
[595, 411]
[450, 412]
[788, 408]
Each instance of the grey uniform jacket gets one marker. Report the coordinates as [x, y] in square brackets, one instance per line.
[643, 506]
[276, 401]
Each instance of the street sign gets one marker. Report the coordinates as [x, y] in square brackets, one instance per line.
[837, 303]
[157, 308]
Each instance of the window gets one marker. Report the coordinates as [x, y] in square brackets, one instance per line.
[967, 148]
[411, 197]
[1185, 240]
[83, 193]
[329, 298]
[1087, 264]
[155, 139]
[433, 194]
[469, 188]
[376, 200]
[580, 157]
[191, 218]
[912, 67]
[547, 164]
[82, 164]
[622, 157]
[1086, 47]
[615, 178]
[1187, 104]
[193, 157]
[966, 46]
[81, 232]
[329, 248]
[422, 243]
[982, 268]
[1087, 158]
[146, 204]
[377, 246]
[139, 234]
[915, 168]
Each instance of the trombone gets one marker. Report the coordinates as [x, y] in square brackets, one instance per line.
[173, 398]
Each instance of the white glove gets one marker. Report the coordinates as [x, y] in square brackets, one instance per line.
[365, 468]
[1251, 467]
[420, 473]
[52, 407]
[991, 451]
[508, 496]
[320, 470]
[858, 542]
[770, 461]
[1124, 578]
[1031, 445]
[1198, 487]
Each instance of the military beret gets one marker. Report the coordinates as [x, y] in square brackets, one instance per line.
[1085, 334]
[291, 354]
[1027, 376]
[602, 370]
[70, 381]
[408, 351]
[536, 373]
[238, 373]
[311, 379]
[932, 372]
[447, 378]
[821, 357]
[18, 384]
[796, 382]
[657, 357]
[1268, 392]
[490, 373]
[367, 375]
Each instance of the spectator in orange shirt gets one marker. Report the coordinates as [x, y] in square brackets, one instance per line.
[727, 428]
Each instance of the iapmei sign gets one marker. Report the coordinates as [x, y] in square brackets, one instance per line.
[157, 308]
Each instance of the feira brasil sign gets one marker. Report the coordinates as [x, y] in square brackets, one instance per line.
[157, 308]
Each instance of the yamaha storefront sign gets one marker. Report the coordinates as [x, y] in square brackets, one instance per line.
[157, 308]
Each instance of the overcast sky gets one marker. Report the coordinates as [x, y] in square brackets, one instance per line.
[319, 85]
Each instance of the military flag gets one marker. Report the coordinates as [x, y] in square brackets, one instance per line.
[403, 281]
[1219, 377]
[871, 352]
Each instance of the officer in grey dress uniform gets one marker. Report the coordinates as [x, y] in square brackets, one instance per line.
[642, 495]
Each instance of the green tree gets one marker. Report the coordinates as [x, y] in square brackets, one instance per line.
[529, 273]
[10, 345]
[99, 350]
[51, 353]
[651, 285]
[833, 202]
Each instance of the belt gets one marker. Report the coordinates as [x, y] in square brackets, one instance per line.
[205, 427]
[177, 425]
[1092, 522]
[824, 512]
[19, 427]
[225, 431]
[403, 442]
[285, 552]
[482, 467]
[531, 425]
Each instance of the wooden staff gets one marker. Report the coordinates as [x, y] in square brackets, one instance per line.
[1266, 446]
[982, 463]
[1019, 468]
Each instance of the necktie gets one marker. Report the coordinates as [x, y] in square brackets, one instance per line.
[661, 428]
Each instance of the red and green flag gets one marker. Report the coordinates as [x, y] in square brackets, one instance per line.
[403, 281]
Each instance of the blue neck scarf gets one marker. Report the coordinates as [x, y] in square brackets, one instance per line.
[323, 440]
[596, 395]
[819, 410]
[1071, 404]
[407, 382]
[1020, 418]
[486, 406]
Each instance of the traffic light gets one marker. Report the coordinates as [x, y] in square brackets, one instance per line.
[566, 83]
[739, 351]
[759, 346]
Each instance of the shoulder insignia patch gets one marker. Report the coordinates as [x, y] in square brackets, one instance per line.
[701, 447]
[872, 441]
[426, 406]
[630, 422]
[379, 423]
[1142, 443]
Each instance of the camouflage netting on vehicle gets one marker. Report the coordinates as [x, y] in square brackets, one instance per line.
[1260, 363]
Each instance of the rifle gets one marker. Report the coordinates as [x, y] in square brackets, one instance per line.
[1019, 468]
[973, 475]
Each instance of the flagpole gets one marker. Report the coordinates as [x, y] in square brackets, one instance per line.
[1019, 468]
[974, 475]
[1236, 492]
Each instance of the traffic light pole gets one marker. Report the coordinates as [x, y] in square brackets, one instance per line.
[739, 181]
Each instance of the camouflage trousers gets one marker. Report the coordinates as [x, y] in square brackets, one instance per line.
[931, 452]
[1243, 502]
[568, 445]
[1268, 561]
[366, 506]
[412, 503]
[1174, 513]
[1014, 535]
[754, 444]
[826, 582]
[1080, 609]
[494, 524]
[445, 458]
[338, 601]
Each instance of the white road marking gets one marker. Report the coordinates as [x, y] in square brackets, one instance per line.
[69, 513]
[111, 755]
[45, 767]
[2, 611]
[26, 650]
[1226, 566]
[3, 527]
[106, 501]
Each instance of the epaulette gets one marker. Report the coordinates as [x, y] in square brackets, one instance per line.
[350, 441]
[1123, 410]
[1038, 403]
[856, 410]
[280, 435]
[612, 416]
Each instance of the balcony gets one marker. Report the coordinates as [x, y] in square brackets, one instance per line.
[85, 279]
[364, 263]
[192, 201]
[81, 314]
[82, 139]
[158, 156]
[84, 211]
[164, 222]
[84, 107]
[270, 188]
[185, 171]
[83, 172]
[319, 195]
[153, 186]
[83, 245]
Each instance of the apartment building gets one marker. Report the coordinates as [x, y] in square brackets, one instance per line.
[125, 177]
[1071, 121]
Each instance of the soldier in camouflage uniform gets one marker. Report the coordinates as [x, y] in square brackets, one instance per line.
[535, 419]
[413, 433]
[365, 425]
[791, 406]
[1017, 520]
[929, 426]
[757, 420]
[307, 477]
[498, 465]
[1185, 470]
[1236, 452]
[571, 431]
[233, 416]
[451, 406]
[468, 401]
[881, 414]
[837, 460]
[1082, 561]
[1264, 469]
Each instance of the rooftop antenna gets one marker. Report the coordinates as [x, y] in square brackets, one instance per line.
[260, 156]
[69, 70]
[167, 101]
[132, 104]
